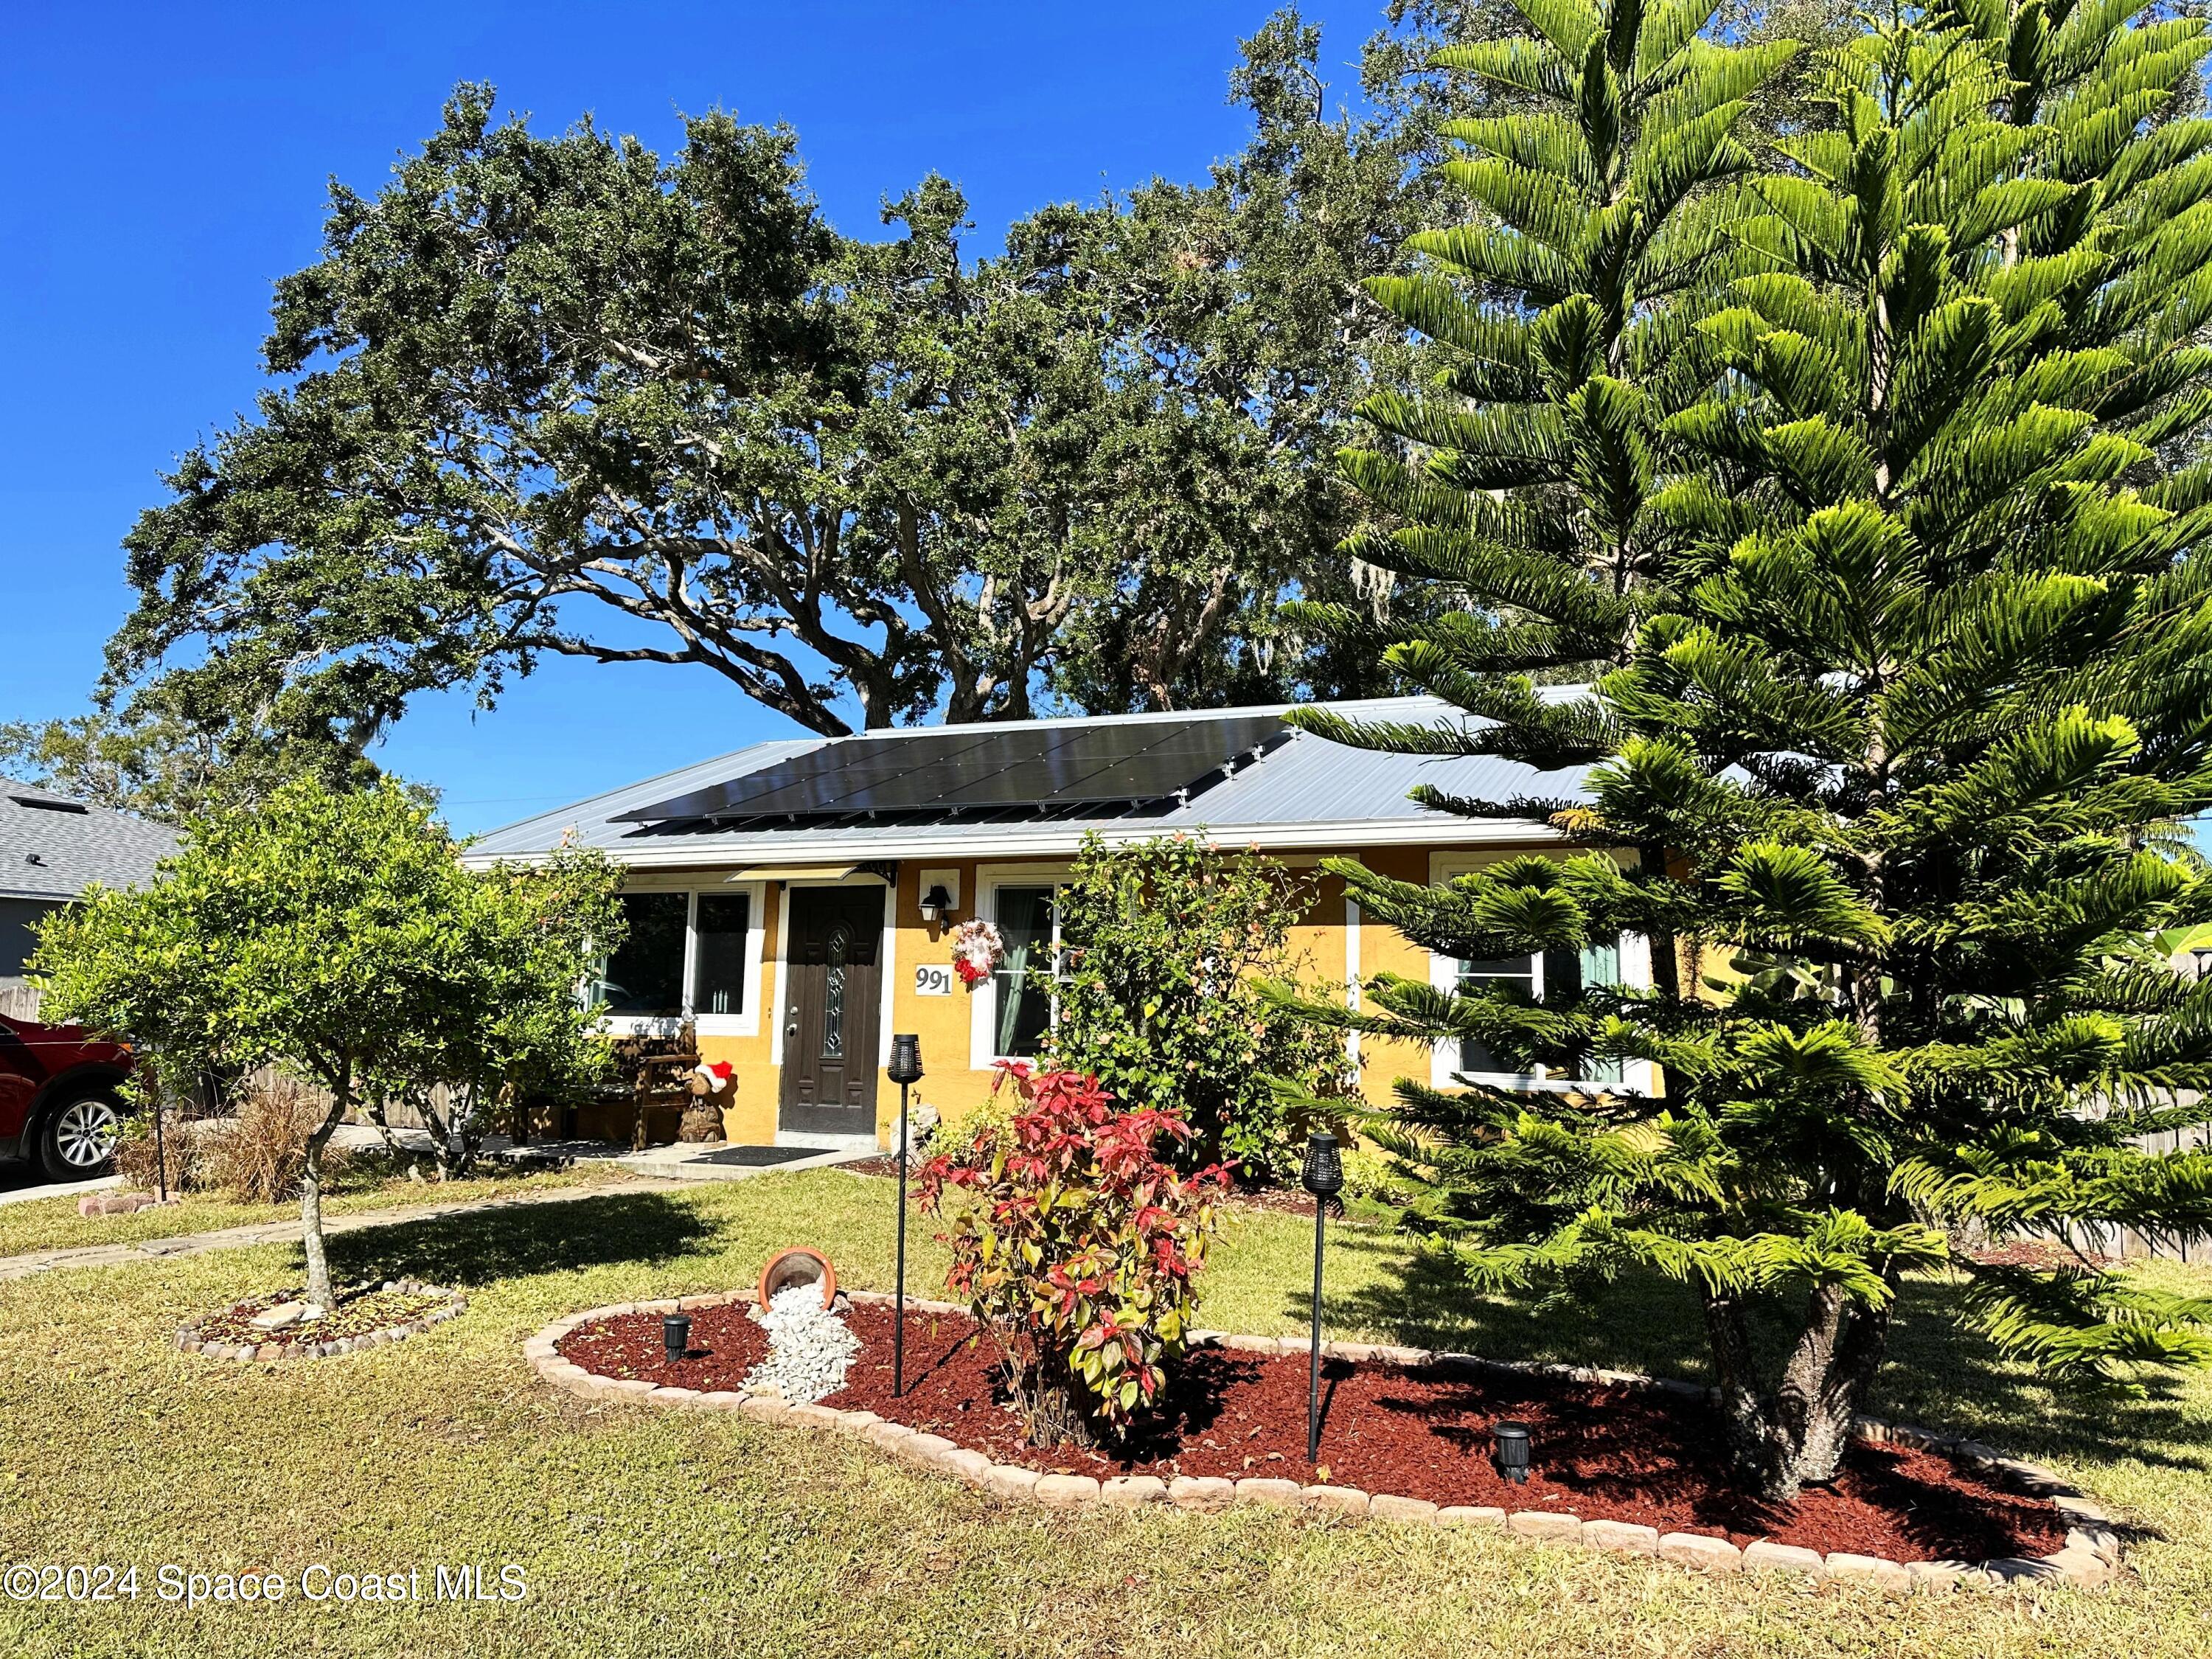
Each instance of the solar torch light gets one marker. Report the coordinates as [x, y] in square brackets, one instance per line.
[1510, 1450]
[1323, 1177]
[906, 1071]
[676, 1335]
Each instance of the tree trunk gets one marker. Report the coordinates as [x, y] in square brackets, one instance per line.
[455, 1134]
[1052, 1408]
[1795, 1434]
[319, 1293]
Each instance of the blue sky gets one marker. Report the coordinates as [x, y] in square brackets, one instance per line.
[165, 164]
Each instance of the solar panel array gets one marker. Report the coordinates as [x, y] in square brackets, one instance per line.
[949, 770]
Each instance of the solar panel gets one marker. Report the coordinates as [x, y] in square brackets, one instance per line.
[983, 766]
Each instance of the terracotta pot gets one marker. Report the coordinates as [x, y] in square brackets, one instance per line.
[798, 1266]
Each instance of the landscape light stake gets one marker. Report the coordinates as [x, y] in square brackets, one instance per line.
[1323, 1177]
[160, 1146]
[906, 1071]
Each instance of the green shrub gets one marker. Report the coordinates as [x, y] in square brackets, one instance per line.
[1165, 943]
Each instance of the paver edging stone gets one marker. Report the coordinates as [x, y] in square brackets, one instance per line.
[188, 1339]
[2091, 1557]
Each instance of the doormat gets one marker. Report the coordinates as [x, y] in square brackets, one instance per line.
[755, 1157]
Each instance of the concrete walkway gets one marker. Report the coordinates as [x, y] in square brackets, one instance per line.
[681, 1161]
[287, 1231]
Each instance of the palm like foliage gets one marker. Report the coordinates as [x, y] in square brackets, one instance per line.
[1891, 574]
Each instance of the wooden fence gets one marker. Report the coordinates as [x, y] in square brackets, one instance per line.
[18, 999]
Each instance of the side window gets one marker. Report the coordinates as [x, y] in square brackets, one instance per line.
[1558, 973]
[1515, 974]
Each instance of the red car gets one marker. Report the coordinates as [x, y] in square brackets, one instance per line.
[61, 1101]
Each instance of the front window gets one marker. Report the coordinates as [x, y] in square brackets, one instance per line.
[1028, 920]
[1511, 973]
[718, 983]
[646, 975]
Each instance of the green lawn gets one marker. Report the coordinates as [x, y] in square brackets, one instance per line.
[53, 1224]
[641, 1530]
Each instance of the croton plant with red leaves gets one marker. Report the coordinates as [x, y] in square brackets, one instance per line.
[1076, 1245]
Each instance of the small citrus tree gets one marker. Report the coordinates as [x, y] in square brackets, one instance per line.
[511, 1030]
[335, 935]
[1076, 1244]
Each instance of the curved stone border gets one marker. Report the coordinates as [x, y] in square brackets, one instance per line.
[2090, 1556]
[189, 1340]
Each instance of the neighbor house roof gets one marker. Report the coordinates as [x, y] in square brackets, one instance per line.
[54, 847]
[1302, 792]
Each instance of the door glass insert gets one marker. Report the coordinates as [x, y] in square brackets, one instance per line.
[840, 948]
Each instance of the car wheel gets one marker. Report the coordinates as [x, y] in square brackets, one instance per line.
[77, 1140]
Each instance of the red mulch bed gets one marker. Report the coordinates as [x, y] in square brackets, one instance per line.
[1600, 1453]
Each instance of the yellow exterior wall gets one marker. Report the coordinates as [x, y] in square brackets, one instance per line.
[950, 1084]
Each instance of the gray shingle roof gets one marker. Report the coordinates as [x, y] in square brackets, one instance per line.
[53, 848]
[1308, 791]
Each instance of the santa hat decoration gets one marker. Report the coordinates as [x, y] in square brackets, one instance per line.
[716, 1073]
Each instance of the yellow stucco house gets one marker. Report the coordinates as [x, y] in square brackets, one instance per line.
[795, 901]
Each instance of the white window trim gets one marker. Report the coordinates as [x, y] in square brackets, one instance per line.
[887, 953]
[982, 1001]
[744, 1023]
[1639, 1077]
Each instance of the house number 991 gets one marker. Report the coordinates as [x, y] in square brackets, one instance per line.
[933, 979]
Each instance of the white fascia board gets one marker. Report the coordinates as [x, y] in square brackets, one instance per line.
[1003, 841]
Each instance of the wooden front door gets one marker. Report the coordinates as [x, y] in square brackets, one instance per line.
[831, 1016]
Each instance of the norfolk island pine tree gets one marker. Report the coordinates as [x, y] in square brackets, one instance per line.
[1856, 479]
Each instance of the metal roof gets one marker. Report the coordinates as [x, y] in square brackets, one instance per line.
[1307, 793]
[53, 848]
